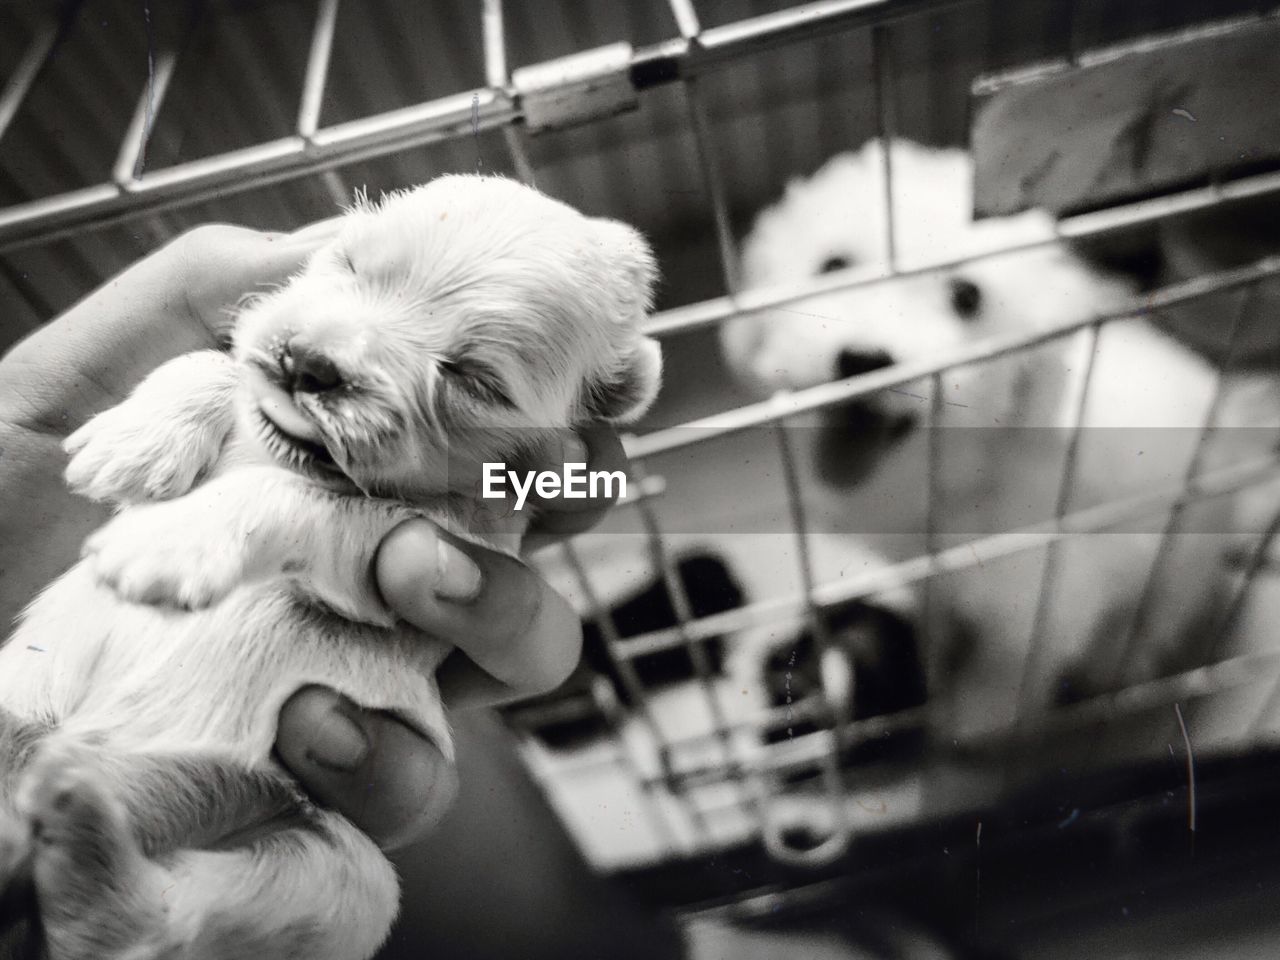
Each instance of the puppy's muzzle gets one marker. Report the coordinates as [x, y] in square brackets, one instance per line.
[855, 435]
[308, 370]
[853, 363]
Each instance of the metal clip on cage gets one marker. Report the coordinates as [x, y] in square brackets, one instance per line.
[831, 823]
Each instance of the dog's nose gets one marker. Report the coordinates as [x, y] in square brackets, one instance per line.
[850, 363]
[309, 370]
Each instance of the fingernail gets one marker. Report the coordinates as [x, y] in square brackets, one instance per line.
[457, 576]
[574, 450]
[339, 743]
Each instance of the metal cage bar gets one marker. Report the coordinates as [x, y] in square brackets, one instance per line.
[133, 147]
[835, 697]
[498, 77]
[631, 683]
[1257, 561]
[1137, 625]
[1095, 225]
[244, 169]
[1254, 565]
[933, 506]
[713, 180]
[495, 44]
[686, 18]
[882, 75]
[1135, 699]
[1051, 570]
[450, 116]
[422, 123]
[1089, 520]
[317, 76]
[546, 771]
[683, 609]
[25, 73]
[314, 82]
[842, 391]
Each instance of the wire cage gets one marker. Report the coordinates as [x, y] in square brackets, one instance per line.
[647, 786]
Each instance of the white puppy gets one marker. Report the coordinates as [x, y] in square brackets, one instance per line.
[1002, 452]
[444, 326]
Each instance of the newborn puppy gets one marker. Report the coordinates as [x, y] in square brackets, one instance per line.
[445, 326]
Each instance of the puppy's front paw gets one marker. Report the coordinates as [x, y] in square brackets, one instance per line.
[124, 455]
[160, 555]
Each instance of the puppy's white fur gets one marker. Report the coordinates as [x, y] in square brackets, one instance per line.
[447, 325]
[1141, 379]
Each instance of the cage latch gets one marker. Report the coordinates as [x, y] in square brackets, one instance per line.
[576, 89]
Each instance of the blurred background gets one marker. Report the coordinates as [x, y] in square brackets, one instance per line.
[581, 830]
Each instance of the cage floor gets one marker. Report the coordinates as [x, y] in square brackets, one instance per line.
[1124, 877]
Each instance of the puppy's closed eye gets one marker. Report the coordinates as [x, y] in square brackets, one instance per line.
[477, 380]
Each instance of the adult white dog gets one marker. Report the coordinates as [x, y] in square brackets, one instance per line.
[1003, 437]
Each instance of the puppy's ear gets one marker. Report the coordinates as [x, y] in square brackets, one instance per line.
[631, 264]
[626, 395]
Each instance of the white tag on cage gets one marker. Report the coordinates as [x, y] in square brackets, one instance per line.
[1128, 122]
[576, 89]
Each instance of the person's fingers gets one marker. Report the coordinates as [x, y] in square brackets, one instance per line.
[555, 519]
[321, 231]
[179, 299]
[219, 265]
[463, 684]
[388, 780]
[499, 613]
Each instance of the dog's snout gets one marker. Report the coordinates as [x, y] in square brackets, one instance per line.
[309, 370]
[851, 363]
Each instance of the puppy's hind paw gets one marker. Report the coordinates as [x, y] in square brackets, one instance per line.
[153, 555]
[98, 894]
[71, 815]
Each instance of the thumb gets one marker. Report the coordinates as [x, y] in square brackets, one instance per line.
[390, 781]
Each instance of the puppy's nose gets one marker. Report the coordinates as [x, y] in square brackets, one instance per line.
[851, 363]
[309, 370]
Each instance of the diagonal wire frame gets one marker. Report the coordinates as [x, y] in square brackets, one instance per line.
[665, 563]
[486, 108]
[632, 685]
[498, 78]
[1138, 623]
[24, 74]
[836, 698]
[315, 149]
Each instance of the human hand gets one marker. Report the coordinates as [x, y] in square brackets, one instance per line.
[513, 633]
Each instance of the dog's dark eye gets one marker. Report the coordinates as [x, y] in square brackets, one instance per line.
[966, 297]
[834, 263]
[477, 380]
